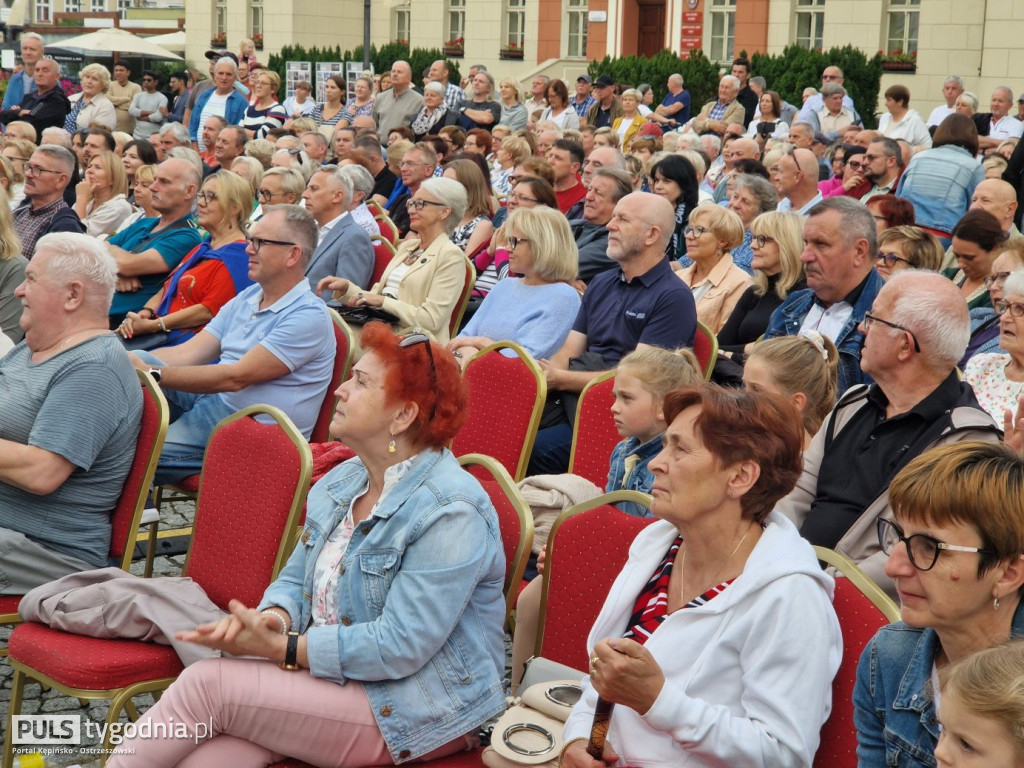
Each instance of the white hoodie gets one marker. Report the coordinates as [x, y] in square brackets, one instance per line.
[748, 675]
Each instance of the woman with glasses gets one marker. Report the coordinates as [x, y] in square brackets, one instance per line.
[100, 198]
[207, 278]
[264, 113]
[998, 377]
[537, 309]
[907, 248]
[850, 177]
[985, 321]
[716, 282]
[749, 197]
[382, 639]
[422, 285]
[954, 549]
[977, 239]
[777, 242]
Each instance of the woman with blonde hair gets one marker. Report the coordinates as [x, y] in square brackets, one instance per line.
[474, 228]
[606, 137]
[12, 274]
[803, 369]
[906, 247]
[7, 180]
[250, 169]
[717, 284]
[777, 243]
[629, 124]
[513, 111]
[512, 152]
[90, 105]
[18, 152]
[264, 112]
[362, 104]
[247, 52]
[101, 199]
[537, 309]
[207, 278]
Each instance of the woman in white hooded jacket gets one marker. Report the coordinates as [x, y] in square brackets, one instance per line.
[718, 642]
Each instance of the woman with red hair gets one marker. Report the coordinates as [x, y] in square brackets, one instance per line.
[382, 639]
[890, 211]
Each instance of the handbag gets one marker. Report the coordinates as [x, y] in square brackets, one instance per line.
[364, 314]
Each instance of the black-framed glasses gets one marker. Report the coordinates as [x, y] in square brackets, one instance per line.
[922, 549]
[412, 339]
[869, 319]
[890, 259]
[206, 197]
[513, 242]
[265, 194]
[35, 170]
[1014, 308]
[521, 199]
[998, 277]
[259, 242]
[760, 241]
[419, 204]
[689, 231]
[857, 166]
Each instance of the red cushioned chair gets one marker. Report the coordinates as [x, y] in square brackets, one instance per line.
[460, 307]
[587, 547]
[344, 350]
[594, 436]
[506, 402]
[252, 491]
[383, 253]
[388, 229]
[863, 608]
[124, 522]
[375, 209]
[705, 347]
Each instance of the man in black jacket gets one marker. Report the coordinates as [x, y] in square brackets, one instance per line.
[48, 106]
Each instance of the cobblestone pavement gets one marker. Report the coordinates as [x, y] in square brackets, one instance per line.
[51, 702]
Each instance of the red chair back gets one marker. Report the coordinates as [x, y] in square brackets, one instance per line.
[506, 401]
[862, 609]
[587, 547]
[705, 348]
[388, 229]
[344, 346]
[383, 253]
[460, 308]
[253, 487]
[594, 435]
[375, 209]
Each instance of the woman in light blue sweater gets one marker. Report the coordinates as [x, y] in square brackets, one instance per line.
[537, 308]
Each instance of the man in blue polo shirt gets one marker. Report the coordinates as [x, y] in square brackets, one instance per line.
[148, 250]
[640, 304]
[274, 344]
[675, 109]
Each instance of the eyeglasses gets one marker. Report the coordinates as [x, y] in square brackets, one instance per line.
[513, 242]
[998, 277]
[419, 204]
[869, 319]
[856, 165]
[19, 158]
[760, 241]
[871, 158]
[410, 164]
[259, 242]
[689, 231]
[521, 199]
[206, 197]
[890, 259]
[923, 550]
[412, 339]
[1015, 309]
[265, 194]
[35, 170]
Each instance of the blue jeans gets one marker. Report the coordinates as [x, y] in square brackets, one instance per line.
[193, 418]
[551, 451]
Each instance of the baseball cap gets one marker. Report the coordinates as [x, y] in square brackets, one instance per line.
[214, 55]
[589, 79]
[603, 81]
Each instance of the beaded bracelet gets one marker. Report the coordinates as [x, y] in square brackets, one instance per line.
[279, 616]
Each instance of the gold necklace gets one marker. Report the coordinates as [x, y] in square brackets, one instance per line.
[714, 581]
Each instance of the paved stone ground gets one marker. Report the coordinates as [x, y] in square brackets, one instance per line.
[51, 702]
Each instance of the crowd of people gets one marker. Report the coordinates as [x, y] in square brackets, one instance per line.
[865, 288]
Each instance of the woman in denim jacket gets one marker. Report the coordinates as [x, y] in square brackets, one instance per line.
[387, 619]
[954, 550]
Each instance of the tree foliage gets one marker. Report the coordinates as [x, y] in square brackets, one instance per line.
[700, 75]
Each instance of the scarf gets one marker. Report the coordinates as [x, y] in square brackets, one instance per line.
[423, 122]
[677, 248]
[71, 121]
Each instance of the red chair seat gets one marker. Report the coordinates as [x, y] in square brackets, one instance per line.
[89, 662]
[189, 484]
[9, 603]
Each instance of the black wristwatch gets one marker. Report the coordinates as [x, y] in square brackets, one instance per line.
[156, 373]
[291, 653]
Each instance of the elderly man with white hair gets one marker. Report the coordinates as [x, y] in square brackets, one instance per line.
[221, 100]
[716, 116]
[1002, 125]
[951, 89]
[362, 190]
[62, 465]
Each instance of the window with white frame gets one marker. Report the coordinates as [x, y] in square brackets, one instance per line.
[98, 6]
[810, 23]
[723, 29]
[42, 10]
[220, 18]
[515, 24]
[124, 5]
[403, 22]
[256, 19]
[576, 17]
[72, 6]
[456, 26]
[904, 16]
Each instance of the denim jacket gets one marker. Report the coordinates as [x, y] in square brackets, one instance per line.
[786, 320]
[893, 705]
[640, 479]
[940, 183]
[420, 593]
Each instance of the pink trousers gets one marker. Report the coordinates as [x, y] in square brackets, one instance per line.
[256, 714]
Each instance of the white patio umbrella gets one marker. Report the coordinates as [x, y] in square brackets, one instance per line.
[174, 41]
[119, 41]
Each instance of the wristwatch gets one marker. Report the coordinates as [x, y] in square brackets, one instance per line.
[156, 373]
[291, 653]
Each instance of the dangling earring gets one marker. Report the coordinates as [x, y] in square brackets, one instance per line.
[391, 445]
[995, 603]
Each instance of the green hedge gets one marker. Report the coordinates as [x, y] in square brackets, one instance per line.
[382, 58]
[700, 75]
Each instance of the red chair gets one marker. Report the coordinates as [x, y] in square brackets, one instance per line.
[388, 229]
[124, 521]
[383, 253]
[252, 491]
[506, 402]
[594, 436]
[705, 347]
[460, 307]
[375, 209]
[863, 608]
[344, 345]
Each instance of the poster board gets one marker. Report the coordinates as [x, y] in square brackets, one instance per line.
[353, 69]
[295, 72]
[324, 70]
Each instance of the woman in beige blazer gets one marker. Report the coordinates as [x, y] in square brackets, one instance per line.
[96, 107]
[425, 280]
[716, 282]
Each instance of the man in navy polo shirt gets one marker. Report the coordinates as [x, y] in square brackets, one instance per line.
[675, 109]
[642, 303]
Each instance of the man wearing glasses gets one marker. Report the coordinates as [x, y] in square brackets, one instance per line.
[416, 167]
[915, 333]
[884, 161]
[815, 102]
[47, 174]
[273, 344]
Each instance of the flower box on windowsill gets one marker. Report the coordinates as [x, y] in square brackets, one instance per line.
[453, 52]
[511, 53]
[218, 42]
[899, 66]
